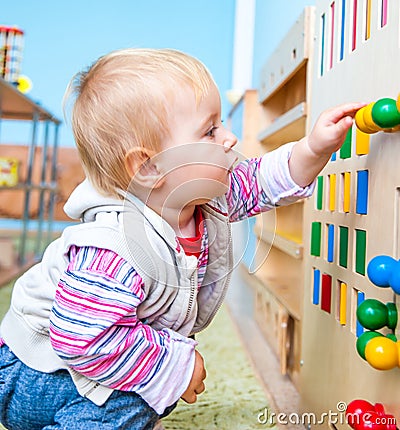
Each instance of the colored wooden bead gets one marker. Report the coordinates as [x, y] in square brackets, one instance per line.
[363, 340]
[385, 114]
[360, 123]
[367, 117]
[394, 279]
[382, 353]
[379, 270]
[374, 315]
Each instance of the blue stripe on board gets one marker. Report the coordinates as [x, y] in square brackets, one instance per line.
[342, 31]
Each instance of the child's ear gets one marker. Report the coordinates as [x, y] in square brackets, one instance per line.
[142, 169]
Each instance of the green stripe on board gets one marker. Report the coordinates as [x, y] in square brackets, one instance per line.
[361, 247]
[316, 239]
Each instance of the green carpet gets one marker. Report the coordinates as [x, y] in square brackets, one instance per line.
[5, 295]
[234, 397]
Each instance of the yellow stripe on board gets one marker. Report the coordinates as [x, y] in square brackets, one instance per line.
[368, 20]
[346, 192]
[332, 192]
[343, 303]
[362, 142]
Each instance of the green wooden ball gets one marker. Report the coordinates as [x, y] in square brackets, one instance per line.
[373, 314]
[362, 341]
[385, 113]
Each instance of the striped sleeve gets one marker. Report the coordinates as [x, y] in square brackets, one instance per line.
[260, 184]
[94, 328]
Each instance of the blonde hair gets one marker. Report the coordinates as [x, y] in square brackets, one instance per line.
[119, 104]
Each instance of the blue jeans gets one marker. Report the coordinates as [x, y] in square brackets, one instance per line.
[32, 400]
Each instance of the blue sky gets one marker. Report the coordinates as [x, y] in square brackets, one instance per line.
[64, 36]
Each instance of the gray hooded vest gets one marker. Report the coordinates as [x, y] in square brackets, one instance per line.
[149, 244]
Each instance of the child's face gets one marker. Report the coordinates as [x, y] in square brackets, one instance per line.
[197, 158]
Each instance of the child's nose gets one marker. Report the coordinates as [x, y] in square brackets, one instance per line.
[229, 141]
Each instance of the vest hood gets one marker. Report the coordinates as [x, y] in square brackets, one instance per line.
[85, 202]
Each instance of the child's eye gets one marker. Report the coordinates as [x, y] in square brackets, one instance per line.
[210, 133]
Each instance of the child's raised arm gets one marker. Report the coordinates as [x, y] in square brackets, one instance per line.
[311, 153]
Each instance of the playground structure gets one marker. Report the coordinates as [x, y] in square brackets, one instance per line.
[11, 47]
[29, 180]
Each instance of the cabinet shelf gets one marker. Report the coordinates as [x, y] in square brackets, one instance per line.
[281, 275]
[288, 127]
[283, 292]
[292, 53]
[289, 244]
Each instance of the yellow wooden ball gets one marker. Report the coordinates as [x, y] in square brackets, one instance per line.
[367, 117]
[382, 353]
[360, 123]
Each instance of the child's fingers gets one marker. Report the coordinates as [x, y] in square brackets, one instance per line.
[200, 388]
[344, 124]
[339, 112]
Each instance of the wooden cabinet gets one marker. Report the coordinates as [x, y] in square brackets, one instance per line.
[284, 96]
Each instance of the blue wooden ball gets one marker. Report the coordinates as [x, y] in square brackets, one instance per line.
[380, 269]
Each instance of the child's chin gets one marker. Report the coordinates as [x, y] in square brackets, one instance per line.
[206, 199]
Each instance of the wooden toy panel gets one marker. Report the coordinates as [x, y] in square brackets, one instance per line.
[354, 214]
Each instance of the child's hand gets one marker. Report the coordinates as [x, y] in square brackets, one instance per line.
[311, 153]
[330, 130]
[196, 385]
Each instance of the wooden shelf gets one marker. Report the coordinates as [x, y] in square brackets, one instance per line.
[289, 244]
[288, 127]
[293, 51]
[283, 229]
[283, 291]
[282, 275]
